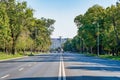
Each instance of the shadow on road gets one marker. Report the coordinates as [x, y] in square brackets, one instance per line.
[71, 78]
[110, 65]
[92, 63]
[36, 58]
[112, 69]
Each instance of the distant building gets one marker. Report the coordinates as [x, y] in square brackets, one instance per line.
[57, 42]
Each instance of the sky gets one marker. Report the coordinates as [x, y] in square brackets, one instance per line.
[64, 12]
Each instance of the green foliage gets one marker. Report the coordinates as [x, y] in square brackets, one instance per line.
[20, 31]
[107, 21]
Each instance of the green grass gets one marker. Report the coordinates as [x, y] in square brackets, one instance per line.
[110, 57]
[91, 55]
[106, 56]
[4, 56]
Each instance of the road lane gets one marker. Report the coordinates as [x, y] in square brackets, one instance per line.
[44, 66]
[80, 67]
[62, 75]
[58, 66]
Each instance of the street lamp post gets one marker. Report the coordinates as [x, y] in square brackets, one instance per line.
[98, 39]
[35, 43]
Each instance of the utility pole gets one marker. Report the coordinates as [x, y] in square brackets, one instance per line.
[35, 39]
[98, 40]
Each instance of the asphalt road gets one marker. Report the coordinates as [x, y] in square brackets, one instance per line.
[58, 66]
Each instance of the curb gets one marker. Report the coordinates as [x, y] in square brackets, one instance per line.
[12, 58]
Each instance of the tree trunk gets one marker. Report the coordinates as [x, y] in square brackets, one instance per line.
[23, 51]
[13, 47]
[117, 54]
[91, 50]
[113, 52]
[13, 50]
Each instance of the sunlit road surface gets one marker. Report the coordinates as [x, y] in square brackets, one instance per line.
[60, 66]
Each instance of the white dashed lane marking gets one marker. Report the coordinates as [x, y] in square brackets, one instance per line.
[21, 69]
[5, 76]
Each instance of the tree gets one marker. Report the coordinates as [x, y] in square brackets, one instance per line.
[4, 27]
[19, 30]
[19, 15]
[107, 21]
[114, 22]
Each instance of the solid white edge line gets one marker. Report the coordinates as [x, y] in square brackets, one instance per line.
[59, 76]
[5, 76]
[63, 70]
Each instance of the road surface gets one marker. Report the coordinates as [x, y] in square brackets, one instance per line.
[58, 66]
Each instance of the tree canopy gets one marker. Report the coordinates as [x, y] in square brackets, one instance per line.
[20, 31]
[107, 20]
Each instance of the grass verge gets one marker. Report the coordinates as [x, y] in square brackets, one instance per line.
[106, 56]
[90, 54]
[110, 57]
[4, 56]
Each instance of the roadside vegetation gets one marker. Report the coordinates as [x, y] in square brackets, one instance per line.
[110, 57]
[7, 56]
[20, 31]
[4, 56]
[105, 56]
[97, 22]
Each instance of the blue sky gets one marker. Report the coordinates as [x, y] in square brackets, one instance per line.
[64, 12]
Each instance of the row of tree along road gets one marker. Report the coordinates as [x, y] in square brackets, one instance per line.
[98, 30]
[20, 31]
